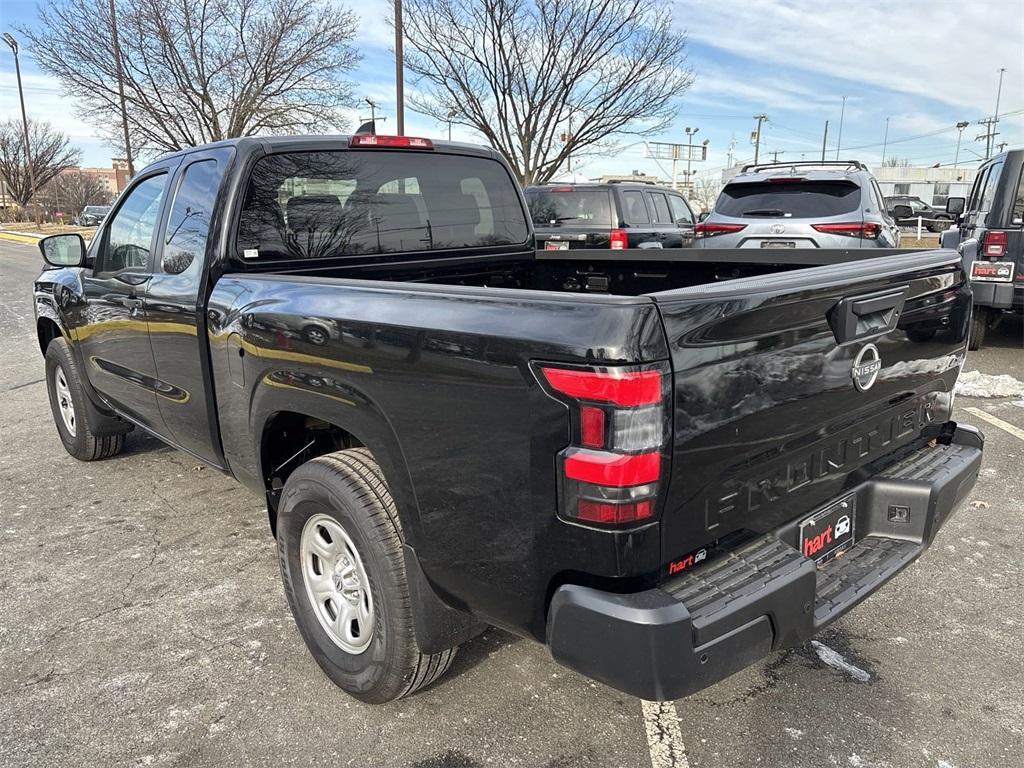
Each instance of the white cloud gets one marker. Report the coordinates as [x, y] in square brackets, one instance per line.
[949, 51]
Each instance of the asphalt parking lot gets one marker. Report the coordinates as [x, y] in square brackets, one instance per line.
[142, 622]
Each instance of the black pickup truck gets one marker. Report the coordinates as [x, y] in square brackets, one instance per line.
[663, 465]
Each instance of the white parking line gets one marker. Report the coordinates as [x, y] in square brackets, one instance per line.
[996, 421]
[664, 738]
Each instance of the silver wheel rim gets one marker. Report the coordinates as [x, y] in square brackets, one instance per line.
[336, 584]
[65, 404]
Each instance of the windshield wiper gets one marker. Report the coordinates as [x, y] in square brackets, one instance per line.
[765, 212]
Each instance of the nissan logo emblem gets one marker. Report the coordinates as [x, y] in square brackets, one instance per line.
[866, 366]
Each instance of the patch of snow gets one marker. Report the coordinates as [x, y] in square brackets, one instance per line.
[794, 733]
[1018, 403]
[836, 660]
[978, 384]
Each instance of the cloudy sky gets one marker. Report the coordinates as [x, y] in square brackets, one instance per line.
[924, 64]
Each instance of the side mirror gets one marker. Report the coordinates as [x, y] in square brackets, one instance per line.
[63, 250]
[703, 215]
[902, 212]
[955, 205]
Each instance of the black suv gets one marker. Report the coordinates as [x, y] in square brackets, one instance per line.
[935, 219]
[992, 231]
[613, 215]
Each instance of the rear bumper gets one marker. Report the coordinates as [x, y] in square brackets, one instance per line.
[694, 630]
[996, 295]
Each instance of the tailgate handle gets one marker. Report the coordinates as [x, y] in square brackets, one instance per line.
[860, 317]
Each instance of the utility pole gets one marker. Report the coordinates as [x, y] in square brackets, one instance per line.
[839, 140]
[824, 142]
[120, 89]
[775, 154]
[885, 141]
[988, 135]
[13, 44]
[373, 112]
[732, 151]
[757, 136]
[399, 71]
[960, 134]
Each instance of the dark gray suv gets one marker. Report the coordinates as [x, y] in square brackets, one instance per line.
[800, 205]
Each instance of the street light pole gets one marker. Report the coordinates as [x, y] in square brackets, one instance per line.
[999, 92]
[690, 133]
[399, 71]
[960, 128]
[13, 45]
[839, 139]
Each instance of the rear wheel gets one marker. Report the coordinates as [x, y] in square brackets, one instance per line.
[340, 550]
[67, 402]
[980, 317]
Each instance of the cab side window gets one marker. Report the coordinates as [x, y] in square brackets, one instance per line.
[129, 236]
[660, 206]
[681, 213]
[189, 224]
[634, 209]
[988, 194]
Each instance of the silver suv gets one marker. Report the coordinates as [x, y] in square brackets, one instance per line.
[831, 204]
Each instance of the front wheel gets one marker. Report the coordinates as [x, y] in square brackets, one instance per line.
[979, 324]
[67, 402]
[340, 549]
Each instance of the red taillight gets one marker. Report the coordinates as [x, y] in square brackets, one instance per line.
[611, 470]
[993, 243]
[863, 229]
[706, 229]
[592, 426]
[389, 142]
[561, 189]
[628, 388]
[618, 470]
[618, 240]
[785, 180]
[613, 514]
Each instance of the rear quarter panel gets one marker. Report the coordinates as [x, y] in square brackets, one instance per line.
[436, 382]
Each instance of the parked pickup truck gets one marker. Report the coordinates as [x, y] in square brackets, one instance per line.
[662, 464]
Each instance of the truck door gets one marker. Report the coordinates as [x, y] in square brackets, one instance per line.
[111, 329]
[174, 306]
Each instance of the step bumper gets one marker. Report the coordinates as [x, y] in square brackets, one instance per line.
[694, 630]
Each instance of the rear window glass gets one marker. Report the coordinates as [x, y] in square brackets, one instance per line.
[798, 200]
[314, 205]
[570, 207]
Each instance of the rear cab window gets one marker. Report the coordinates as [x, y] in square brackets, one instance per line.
[339, 203]
[660, 207]
[570, 206]
[789, 199]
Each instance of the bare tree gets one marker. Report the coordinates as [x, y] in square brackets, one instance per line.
[546, 80]
[197, 71]
[72, 190]
[703, 194]
[895, 162]
[51, 154]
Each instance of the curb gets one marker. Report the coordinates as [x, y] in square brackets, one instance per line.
[19, 237]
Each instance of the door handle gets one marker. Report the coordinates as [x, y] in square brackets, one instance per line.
[859, 317]
[133, 305]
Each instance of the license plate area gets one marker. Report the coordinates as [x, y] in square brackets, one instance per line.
[829, 531]
[556, 245]
[992, 271]
[778, 244]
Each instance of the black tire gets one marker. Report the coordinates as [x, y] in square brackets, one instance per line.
[79, 439]
[979, 324]
[348, 487]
